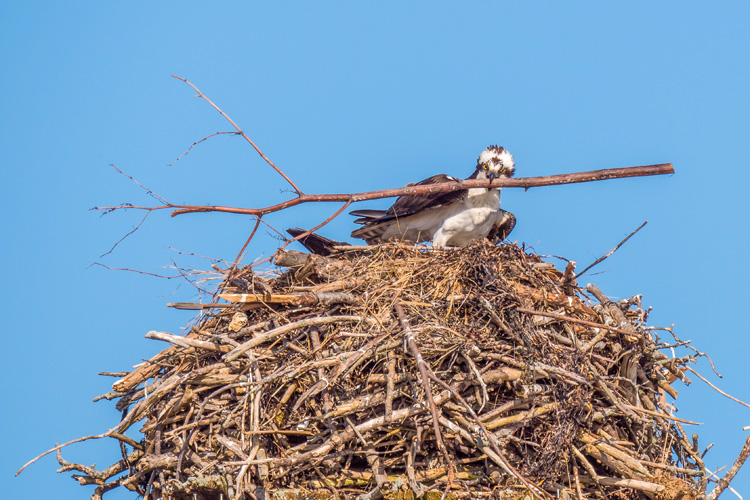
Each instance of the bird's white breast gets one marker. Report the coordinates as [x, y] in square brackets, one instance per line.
[469, 220]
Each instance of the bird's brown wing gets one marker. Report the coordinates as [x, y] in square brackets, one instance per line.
[412, 203]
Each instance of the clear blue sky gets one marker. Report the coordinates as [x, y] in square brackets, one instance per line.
[353, 97]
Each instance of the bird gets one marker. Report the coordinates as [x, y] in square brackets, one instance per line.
[320, 245]
[447, 219]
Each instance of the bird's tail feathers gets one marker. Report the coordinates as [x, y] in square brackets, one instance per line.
[366, 216]
[315, 243]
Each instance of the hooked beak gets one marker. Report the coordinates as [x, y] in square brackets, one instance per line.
[491, 176]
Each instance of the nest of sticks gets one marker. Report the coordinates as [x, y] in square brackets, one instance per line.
[398, 371]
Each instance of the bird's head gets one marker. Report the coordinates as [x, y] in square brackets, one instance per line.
[494, 162]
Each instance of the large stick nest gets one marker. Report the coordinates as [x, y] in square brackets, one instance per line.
[314, 383]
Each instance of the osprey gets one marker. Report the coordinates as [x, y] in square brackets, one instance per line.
[447, 219]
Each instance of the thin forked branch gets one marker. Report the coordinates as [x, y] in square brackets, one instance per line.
[611, 251]
[240, 132]
[198, 142]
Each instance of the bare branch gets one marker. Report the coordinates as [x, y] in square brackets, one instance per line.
[724, 482]
[193, 254]
[242, 250]
[522, 182]
[198, 142]
[60, 446]
[181, 275]
[136, 228]
[185, 276]
[139, 184]
[611, 251]
[716, 388]
[240, 132]
[561, 317]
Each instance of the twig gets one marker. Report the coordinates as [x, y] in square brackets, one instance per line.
[136, 228]
[150, 192]
[296, 299]
[197, 306]
[478, 376]
[571, 319]
[247, 242]
[60, 446]
[733, 470]
[614, 311]
[390, 385]
[670, 329]
[198, 142]
[635, 484]
[672, 468]
[137, 271]
[579, 494]
[662, 415]
[240, 132]
[716, 388]
[611, 251]
[187, 342]
[586, 464]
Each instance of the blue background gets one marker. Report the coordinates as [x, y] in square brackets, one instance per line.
[351, 97]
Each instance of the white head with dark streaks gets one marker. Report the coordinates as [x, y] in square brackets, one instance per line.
[494, 162]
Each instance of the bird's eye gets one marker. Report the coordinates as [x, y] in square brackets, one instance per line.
[485, 166]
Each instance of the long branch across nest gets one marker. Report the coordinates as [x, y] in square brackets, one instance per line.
[399, 371]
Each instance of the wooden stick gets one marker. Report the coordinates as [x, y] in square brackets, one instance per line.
[716, 388]
[294, 299]
[733, 470]
[60, 446]
[662, 415]
[571, 319]
[635, 484]
[600, 259]
[240, 132]
[390, 384]
[277, 332]
[187, 342]
[672, 468]
[614, 311]
[443, 187]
